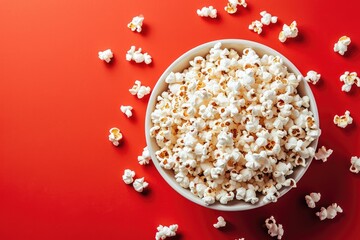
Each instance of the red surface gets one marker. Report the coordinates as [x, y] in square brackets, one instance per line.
[60, 178]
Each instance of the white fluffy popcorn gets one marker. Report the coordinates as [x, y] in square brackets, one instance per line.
[256, 26]
[136, 23]
[139, 90]
[355, 164]
[166, 231]
[145, 157]
[267, 18]
[323, 154]
[137, 56]
[312, 77]
[140, 184]
[232, 5]
[128, 176]
[343, 120]
[207, 12]
[220, 222]
[274, 229]
[342, 45]
[127, 110]
[288, 31]
[330, 212]
[115, 136]
[349, 79]
[312, 199]
[106, 55]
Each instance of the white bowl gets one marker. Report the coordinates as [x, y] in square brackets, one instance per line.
[182, 63]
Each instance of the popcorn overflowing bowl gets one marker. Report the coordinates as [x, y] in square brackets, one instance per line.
[231, 125]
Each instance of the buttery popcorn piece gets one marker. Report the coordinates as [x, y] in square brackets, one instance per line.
[312, 199]
[256, 26]
[330, 212]
[136, 23]
[207, 12]
[232, 5]
[323, 154]
[127, 110]
[145, 157]
[139, 90]
[166, 231]
[342, 45]
[128, 176]
[220, 222]
[288, 31]
[137, 56]
[355, 164]
[344, 120]
[140, 184]
[312, 77]
[349, 79]
[106, 55]
[274, 230]
[267, 18]
[115, 136]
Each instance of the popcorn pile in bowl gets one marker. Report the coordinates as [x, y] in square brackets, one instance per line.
[234, 127]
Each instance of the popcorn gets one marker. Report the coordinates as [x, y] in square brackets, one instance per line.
[220, 222]
[163, 231]
[128, 176]
[323, 154]
[145, 157]
[330, 212]
[342, 45]
[126, 110]
[312, 198]
[115, 136]
[349, 79]
[139, 90]
[136, 23]
[106, 55]
[344, 120]
[288, 31]
[231, 7]
[137, 56]
[207, 12]
[256, 26]
[140, 184]
[274, 230]
[355, 164]
[267, 18]
[312, 77]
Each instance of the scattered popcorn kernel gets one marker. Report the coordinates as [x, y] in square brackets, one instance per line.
[267, 18]
[312, 198]
[145, 157]
[220, 222]
[128, 176]
[207, 12]
[312, 77]
[163, 231]
[330, 212]
[344, 120]
[136, 23]
[231, 7]
[127, 110]
[137, 56]
[288, 31]
[274, 230]
[349, 79]
[323, 154]
[256, 26]
[355, 164]
[139, 90]
[342, 45]
[139, 184]
[115, 136]
[106, 55]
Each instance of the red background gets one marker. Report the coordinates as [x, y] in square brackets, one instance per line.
[60, 177]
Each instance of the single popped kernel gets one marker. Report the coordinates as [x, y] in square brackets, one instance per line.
[139, 90]
[136, 23]
[256, 26]
[139, 184]
[128, 176]
[220, 222]
[355, 164]
[330, 212]
[274, 230]
[145, 157]
[344, 120]
[323, 154]
[342, 45]
[137, 56]
[106, 55]
[163, 231]
[207, 12]
[288, 31]
[267, 18]
[312, 198]
[312, 77]
[115, 136]
[349, 79]
[232, 5]
[127, 110]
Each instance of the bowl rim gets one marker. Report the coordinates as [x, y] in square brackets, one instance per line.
[191, 54]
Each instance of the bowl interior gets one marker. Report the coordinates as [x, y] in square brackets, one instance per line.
[182, 63]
